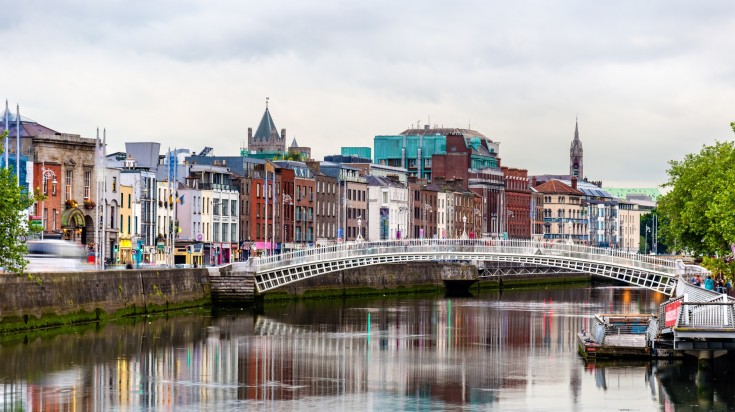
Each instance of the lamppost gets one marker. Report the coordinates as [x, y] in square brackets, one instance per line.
[570, 232]
[286, 199]
[359, 229]
[46, 174]
[464, 226]
[645, 247]
[401, 212]
[427, 209]
[508, 214]
[493, 223]
[450, 220]
[474, 221]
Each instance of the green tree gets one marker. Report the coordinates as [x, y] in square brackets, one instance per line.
[700, 208]
[13, 225]
[662, 244]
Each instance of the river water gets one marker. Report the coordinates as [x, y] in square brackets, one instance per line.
[509, 351]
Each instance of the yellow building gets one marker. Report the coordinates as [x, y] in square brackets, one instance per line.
[126, 224]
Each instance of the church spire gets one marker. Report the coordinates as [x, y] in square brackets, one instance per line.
[576, 154]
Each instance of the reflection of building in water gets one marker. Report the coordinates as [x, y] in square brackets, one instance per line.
[447, 352]
[459, 352]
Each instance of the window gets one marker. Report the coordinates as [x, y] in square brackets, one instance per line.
[87, 184]
[114, 184]
[68, 181]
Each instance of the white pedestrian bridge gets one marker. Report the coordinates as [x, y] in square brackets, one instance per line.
[646, 271]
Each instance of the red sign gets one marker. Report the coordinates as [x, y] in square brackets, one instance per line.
[671, 311]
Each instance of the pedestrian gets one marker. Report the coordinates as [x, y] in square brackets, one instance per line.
[709, 284]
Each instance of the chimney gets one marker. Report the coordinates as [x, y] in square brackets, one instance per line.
[314, 165]
[283, 134]
[574, 182]
[250, 133]
[533, 181]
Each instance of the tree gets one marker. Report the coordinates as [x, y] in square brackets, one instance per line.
[14, 228]
[700, 208]
[662, 244]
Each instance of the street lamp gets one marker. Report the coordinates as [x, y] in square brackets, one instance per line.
[464, 226]
[474, 221]
[493, 224]
[570, 232]
[645, 247]
[46, 174]
[359, 229]
[427, 209]
[508, 214]
[401, 212]
[286, 199]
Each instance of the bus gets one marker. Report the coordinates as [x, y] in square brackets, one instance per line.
[52, 255]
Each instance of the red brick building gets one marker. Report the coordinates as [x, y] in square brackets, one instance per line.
[517, 203]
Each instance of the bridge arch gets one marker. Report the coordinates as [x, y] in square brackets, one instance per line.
[646, 271]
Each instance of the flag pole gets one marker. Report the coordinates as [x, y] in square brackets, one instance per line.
[7, 136]
[17, 144]
[103, 243]
[97, 197]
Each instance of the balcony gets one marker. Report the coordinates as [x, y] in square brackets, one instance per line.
[218, 187]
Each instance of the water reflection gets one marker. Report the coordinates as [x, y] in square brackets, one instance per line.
[512, 351]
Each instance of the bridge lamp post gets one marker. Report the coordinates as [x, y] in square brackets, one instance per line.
[359, 229]
[427, 209]
[645, 246]
[401, 212]
[570, 232]
[474, 221]
[46, 174]
[493, 224]
[286, 199]
[464, 226]
[508, 214]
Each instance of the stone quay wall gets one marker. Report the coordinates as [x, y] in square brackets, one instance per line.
[63, 294]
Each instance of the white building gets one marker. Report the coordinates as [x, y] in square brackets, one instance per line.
[214, 212]
[387, 209]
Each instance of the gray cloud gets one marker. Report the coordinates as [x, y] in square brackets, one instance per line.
[650, 81]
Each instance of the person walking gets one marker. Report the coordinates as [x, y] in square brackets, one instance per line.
[709, 284]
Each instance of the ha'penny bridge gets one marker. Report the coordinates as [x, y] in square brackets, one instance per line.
[693, 320]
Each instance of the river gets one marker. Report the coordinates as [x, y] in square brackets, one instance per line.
[500, 351]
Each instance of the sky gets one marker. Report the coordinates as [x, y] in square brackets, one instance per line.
[649, 81]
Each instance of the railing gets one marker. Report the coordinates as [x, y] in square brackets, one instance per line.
[709, 315]
[467, 247]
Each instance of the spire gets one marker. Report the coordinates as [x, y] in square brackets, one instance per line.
[576, 154]
[293, 143]
[266, 129]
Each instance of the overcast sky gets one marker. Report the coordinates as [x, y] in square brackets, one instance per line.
[649, 80]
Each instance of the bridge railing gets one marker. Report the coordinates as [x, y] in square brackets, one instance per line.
[708, 315]
[445, 247]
